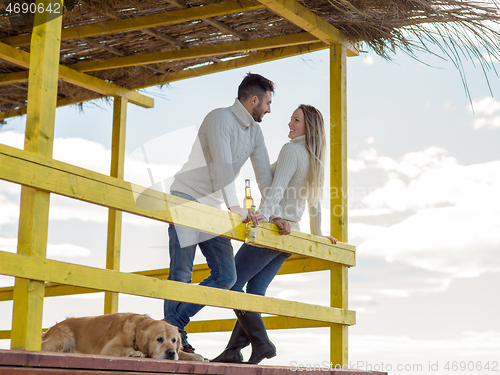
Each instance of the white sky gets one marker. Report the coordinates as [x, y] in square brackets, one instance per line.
[424, 177]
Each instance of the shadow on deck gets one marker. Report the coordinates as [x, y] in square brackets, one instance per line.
[16, 362]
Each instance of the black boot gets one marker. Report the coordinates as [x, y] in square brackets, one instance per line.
[232, 353]
[255, 329]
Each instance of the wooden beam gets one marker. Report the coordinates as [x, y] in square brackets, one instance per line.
[223, 27]
[197, 52]
[338, 194]
[294, 264]
[251, 59]
[21, 58]
[114, 239]
[271, 322]
[68, 180]
[226, 325]
[145, 22]
[39, 137]
[108, 280]
[10, 78]
[310, 22]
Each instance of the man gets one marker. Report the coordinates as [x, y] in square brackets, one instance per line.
[226, 139]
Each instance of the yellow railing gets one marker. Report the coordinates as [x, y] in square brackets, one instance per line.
[51, 176]
[40, 176]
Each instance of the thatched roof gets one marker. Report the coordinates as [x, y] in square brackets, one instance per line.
[385, 26]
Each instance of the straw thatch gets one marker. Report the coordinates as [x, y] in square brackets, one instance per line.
[457, 29]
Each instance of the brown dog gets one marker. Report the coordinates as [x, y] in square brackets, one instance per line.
[122, 334]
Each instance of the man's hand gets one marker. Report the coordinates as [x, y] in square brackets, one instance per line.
[283, 225]
[334, 240]
[243, 212]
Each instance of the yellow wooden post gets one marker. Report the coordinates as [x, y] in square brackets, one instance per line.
[338, 194]
[114, 216]
[34, 216]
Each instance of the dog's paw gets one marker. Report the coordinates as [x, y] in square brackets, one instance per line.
[183, 356]
[136, 353]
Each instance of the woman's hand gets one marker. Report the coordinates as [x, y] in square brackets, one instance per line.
[283, 225]
[334, 240]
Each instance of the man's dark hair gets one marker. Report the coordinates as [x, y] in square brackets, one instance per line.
[254, 84]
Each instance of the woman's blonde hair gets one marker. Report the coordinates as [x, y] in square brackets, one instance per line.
[316, 146]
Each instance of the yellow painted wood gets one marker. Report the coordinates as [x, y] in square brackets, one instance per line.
[196, 52]
[256, 58]
[10, 78]
[114, 216]
[21, 58]
[271, 322]
[295, 264]
[310, 22]
[226, 325]
[338, 142]
[138, 23]
[253, 59]
[338, 194]
[64, 179]
[71, 274]
[339, 332]
[22, 111]
[34, 215]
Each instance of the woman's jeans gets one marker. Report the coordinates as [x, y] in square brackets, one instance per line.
[219, 254]
[257, 266]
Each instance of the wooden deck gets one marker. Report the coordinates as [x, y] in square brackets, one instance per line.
[16, 362]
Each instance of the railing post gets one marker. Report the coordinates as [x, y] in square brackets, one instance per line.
[34, 215]
[114, 216]
[338, 194]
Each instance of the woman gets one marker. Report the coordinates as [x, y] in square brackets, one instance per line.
[298, 176]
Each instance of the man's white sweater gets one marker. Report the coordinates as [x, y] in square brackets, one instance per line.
[226, 139]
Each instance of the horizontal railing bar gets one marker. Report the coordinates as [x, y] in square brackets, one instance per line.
[272, 322]
[47, 174]
[226, 325]
[36, 268]
[295, 264]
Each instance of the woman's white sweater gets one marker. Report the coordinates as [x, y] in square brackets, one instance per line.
[288, 194]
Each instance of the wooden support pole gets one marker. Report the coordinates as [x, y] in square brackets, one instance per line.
[34, 216]
[115, 216]
[338, 194]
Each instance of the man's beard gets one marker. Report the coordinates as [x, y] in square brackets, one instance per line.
[258, 114]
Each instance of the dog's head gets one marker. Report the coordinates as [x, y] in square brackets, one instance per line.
[158, 339]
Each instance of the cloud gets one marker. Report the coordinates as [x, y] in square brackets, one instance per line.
[487, 107]
[368, 60]
[67, 250]
[89, 155]
[450, 223]
[486, 343]
[64, 250]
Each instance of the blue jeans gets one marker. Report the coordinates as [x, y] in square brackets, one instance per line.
[256, 267]
[220, 259]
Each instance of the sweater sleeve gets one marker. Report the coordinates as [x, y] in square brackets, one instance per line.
[285, 168]
[219, 129]
[315, 218]
[260, 163]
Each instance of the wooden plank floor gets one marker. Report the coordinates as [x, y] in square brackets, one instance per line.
[16, 362]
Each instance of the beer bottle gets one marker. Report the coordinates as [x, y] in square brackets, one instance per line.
[247, 201]
[250, 232]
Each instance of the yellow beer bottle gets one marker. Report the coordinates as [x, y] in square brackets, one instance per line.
[247, 201]
[250, 232]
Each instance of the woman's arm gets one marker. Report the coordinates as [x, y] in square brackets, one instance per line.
[315, 221]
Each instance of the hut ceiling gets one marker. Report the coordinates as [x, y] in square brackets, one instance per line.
[136, 44]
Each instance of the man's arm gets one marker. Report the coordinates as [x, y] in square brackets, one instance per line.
[261, 164]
